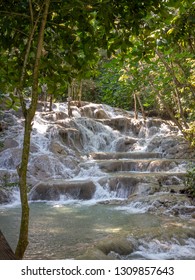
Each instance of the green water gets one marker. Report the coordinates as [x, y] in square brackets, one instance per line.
[66, 231]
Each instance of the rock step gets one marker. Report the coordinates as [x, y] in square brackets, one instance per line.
[151, 165]
[54, 189]
[123, 155]
[125, 184]
[146, 174]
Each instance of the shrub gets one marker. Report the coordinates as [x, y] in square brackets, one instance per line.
[190, 181]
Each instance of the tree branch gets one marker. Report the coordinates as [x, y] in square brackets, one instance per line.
[31, 12]
[23, 73]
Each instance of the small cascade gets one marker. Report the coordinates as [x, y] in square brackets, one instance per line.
[101, 144]
[165, 250]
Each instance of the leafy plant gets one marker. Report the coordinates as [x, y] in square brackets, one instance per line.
[190, 181]
[6, 184]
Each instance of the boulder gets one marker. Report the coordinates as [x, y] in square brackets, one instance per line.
[4, 197]
[94, 254]
[193, 215]
[69, 135]
[88, 110]
[53, 190]
[100, 114]
[123, 187]
[122, 246]
[56, 148]
[10, 143]
[10, 158]
[107, 248]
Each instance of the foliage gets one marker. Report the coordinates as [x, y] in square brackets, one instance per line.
[6, 184]
[190, 181]
[190, 133]
[110, 89]
[158, 66]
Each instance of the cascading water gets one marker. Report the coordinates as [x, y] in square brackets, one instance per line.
[99, 173]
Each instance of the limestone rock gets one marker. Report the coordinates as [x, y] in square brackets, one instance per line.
[94, 254]
[4, 197]
[9, 143]
[122, 246]
[56, 148]
[69, 135]
[100, 114]
[53, 190]
[193, 215]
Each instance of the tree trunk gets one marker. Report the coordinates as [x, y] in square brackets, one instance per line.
[135, 107]
[22, 172]
[29, 115]
[171, 114]
[180, 108]
[141, 106]
[69, 99]
[80, 93]
[50, 102]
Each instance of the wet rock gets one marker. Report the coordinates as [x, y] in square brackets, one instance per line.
[53, 190]
[177, 179]
[157, 165]
[193, 215]
[69, 135]
[154, 122]
[147, 188]
[122, 246]
[122, 124]
[123, 187]
[167, 203]
[125, 155]
[11, 158]
[9, 118]
[10, 143]
[45, 166]
[4, 197]
[56, 148]
[48, 116]
[100, 114]
[94, 254]
[75, 112]
[3, 126]
[123, 144]
[60, 116]
[88, 110]
[173, 146]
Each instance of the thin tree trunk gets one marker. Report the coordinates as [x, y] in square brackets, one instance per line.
[141, 106]
[69, 100]
[135, 107]
[23, 73]
[80, 93]
[180, 109]
[171, 114]
[169, 69]
[50, 102]
[22, 170]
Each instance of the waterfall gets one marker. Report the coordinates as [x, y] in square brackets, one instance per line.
[99, 165]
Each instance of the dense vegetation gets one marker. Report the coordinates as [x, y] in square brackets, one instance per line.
[131, 54]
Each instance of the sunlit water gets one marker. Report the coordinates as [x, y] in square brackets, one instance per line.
[66, 230]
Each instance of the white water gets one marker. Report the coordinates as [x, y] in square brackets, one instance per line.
[165, 250]
[134, 207]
